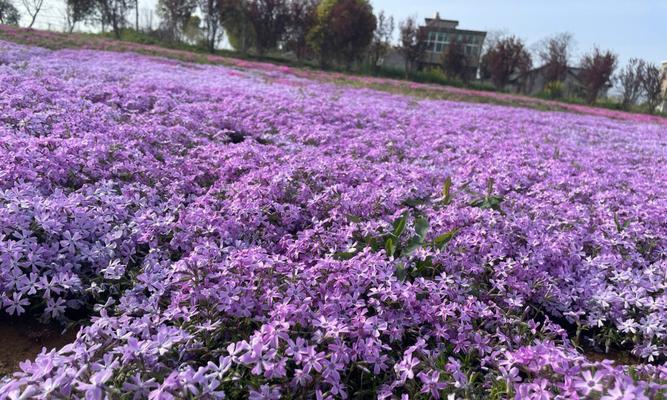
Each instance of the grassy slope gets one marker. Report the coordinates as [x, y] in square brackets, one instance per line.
[54, 40]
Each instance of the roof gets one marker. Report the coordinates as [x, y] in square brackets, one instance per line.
[441, 20]
[574, 71]
[447, 25]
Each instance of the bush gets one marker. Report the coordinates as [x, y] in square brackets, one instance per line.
[554, 90]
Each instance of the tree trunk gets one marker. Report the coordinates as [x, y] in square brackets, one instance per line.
[32, 21]
[136, 15]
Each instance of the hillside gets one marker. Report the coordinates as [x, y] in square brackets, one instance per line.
[252, 231]
[55, 40]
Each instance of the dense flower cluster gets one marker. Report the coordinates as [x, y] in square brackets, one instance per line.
[249, 233]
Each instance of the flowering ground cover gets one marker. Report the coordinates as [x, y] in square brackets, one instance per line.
[58, 40]
[248, 233]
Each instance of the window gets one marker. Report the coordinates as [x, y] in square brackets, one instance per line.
[437, 41]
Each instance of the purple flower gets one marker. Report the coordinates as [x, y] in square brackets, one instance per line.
[589, 382]
[431, 383]
[15, 304]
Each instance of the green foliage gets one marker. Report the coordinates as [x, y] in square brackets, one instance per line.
[621, 226]
[8, 13]
[554, 90]
[489, 201]
[343, 30]
[446, 192]
[396, 245]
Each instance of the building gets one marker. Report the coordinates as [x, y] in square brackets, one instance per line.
[663, 107]
[440, 33]
[393, 60]
[535, 82]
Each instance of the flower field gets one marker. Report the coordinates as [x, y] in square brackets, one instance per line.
[226, 232]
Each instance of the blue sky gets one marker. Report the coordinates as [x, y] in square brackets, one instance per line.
[631, 28]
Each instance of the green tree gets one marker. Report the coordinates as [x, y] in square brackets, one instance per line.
[269, 19]
[381, 42]
[342, 31]
[175, 15]
[78, 11]
[237, 25]
[302, 17]
[114, 13]
[8, 13]
[412, 44]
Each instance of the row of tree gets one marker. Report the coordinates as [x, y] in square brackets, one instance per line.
[508, 56]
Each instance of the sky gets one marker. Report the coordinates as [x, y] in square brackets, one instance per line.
[630, 28]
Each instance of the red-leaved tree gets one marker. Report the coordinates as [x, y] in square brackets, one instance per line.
[597, 68]
[507, 56]
[555, 56]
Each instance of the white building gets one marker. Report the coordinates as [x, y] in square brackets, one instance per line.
[663, 106]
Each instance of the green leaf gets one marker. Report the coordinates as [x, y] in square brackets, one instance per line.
[412, 245]
[489, 186]
[619, 228]
[390, 247]
[446, 188]
[400, 272]
[399, 225]
[345, 255]
[349, 253]
[421, 227]
[440, 241]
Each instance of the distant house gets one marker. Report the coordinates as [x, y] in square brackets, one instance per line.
[440, 33]
[535, 82]
[393, 60]
[663, 106]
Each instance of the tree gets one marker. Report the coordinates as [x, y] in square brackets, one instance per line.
[8, 13]
[652, 78]
[114, 13]
[342, 31]
[234, 18]
[630, 80]
[136, 15]
[381, 42]
[455, 62]
[268, 19]
[77, 11]
[555, 56]
[175, 15]
[32, 7]
[507, 56]
[597, 69]
[191, 30]
[302, 16]
[412, 44]
[212, 12]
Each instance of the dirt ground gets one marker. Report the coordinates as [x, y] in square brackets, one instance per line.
[21, 340]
